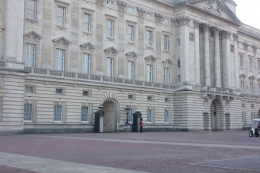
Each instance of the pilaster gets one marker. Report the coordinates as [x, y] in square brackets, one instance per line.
[226, 58]
[217, 59]
[237, 63]
[206, 55]
[197, 51]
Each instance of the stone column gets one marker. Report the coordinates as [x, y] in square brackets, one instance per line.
[183, 22]
[141, 44]
[206, 55]
[197, 51]
[237, 61]
[226, 58]
[217, 59]
[14, 30]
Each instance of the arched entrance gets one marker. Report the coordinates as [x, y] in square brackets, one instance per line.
[110, 118]
[216, 115]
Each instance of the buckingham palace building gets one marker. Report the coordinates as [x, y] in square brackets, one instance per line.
[188, 65]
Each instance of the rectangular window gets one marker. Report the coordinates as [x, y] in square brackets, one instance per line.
[87, 22]
[84, 113]
[178, 42]
[241, 61]
[57, 113]
[149, 38]
[258, 61]
[59, 91]
[242, 86]
[149, 116]
[30, 55]
[166, 42]
[130, 116]
[28, 89]
[110, 28]
[150, 98]
[166, 116]
[130, 97]
[61, 16]
[166, 20]
[130, 9]
[110, 67]
[60, 56]
[251, 88]
[179, 78]
[166, 76]
[243, 118]
[148, 15]
[130, 33]
[130, 70]
[149, 73]
[31, 9]
[110, 2]
[27, 112]
[179, 64]
[167, 100]
[86, 93]
[250, 64]
[86, 63]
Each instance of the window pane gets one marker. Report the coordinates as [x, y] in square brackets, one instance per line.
[27, 112]
[166, 116]
[130, 116]
[149, 116]
[57, 113]
[86, 63]
[84, 113]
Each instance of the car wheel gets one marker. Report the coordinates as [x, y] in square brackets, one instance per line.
[251, 134]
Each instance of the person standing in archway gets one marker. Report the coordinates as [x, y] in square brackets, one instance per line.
[141, 125]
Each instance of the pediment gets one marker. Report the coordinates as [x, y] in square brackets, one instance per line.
[132, 54]
[111, 50]
[167, 61]
[251, 78]
[32, 35]
[62, 40]
[242, 76]
[88, 46]
[150, 58]
[216, 8]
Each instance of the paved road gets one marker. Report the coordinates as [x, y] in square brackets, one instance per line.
[160, 152]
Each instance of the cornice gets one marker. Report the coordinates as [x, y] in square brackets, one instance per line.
[249, 34]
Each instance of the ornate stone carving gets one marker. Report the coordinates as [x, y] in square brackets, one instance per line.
[225, 34]
[242, 76]
[140, 11]
[111, 50]
[121, 4]
[197, 24]
[182, 20]
[167, 62]
[254, 48]
[246, 45]
[205, 27]
[158, 17]
[87, 46]
[100, 1]
[150, 58]
[65, 42]
[212, 7]
[191, 36]
[251, 78]
[216, 31]
[32, 36]
[131, 55]
[235, 36]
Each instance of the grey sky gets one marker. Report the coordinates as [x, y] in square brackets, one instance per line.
[248, 11]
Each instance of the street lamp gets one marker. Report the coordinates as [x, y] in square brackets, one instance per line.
[127, 112]
[100, 107]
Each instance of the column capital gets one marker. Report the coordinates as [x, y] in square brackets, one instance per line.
[100, 2]
[197, 24]
[158, 17]
[216, 30]
[182, 21]
[205, 26]
[254, 48]
[235, 36]
[140, 11]
[121, 4]
[225, 34]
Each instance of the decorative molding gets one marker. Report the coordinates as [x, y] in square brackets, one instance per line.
[132, 55]
[32, 35]
[150, 58]
[197, 24]
[242, 76]
[251, 78]
[63, 40]
[254, 48]
[158, 17]
[140, 11]
[192, 36]
[64, 2]
[111, 50]
[121, 4]
[235, 36]
[212, 6]
[182, 21]
[88, 46]
[167, 62]
[100, 2]
[245, 45]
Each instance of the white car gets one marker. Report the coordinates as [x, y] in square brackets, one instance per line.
[255, 130]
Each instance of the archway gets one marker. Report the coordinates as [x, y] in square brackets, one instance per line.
[216, 115]
[110, 118]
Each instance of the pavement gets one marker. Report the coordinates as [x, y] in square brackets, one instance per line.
[151, 152]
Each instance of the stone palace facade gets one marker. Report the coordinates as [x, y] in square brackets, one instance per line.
[184, 64]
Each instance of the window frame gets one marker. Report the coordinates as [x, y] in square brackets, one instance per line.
[166, 110]
[28, 16]
[149, 40]
[131, 70]
[241, 61]
[110, 31]
[63, 17]
[57, 65]
[250, 63]
[86, 63]
[28, 54]
[166, 75]
[87, 114]
[149, 116]
[61, 113]
[87, 24]
[131, 35]
[111, 72]
[149, 70]
[31, 113]
[166, 42]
